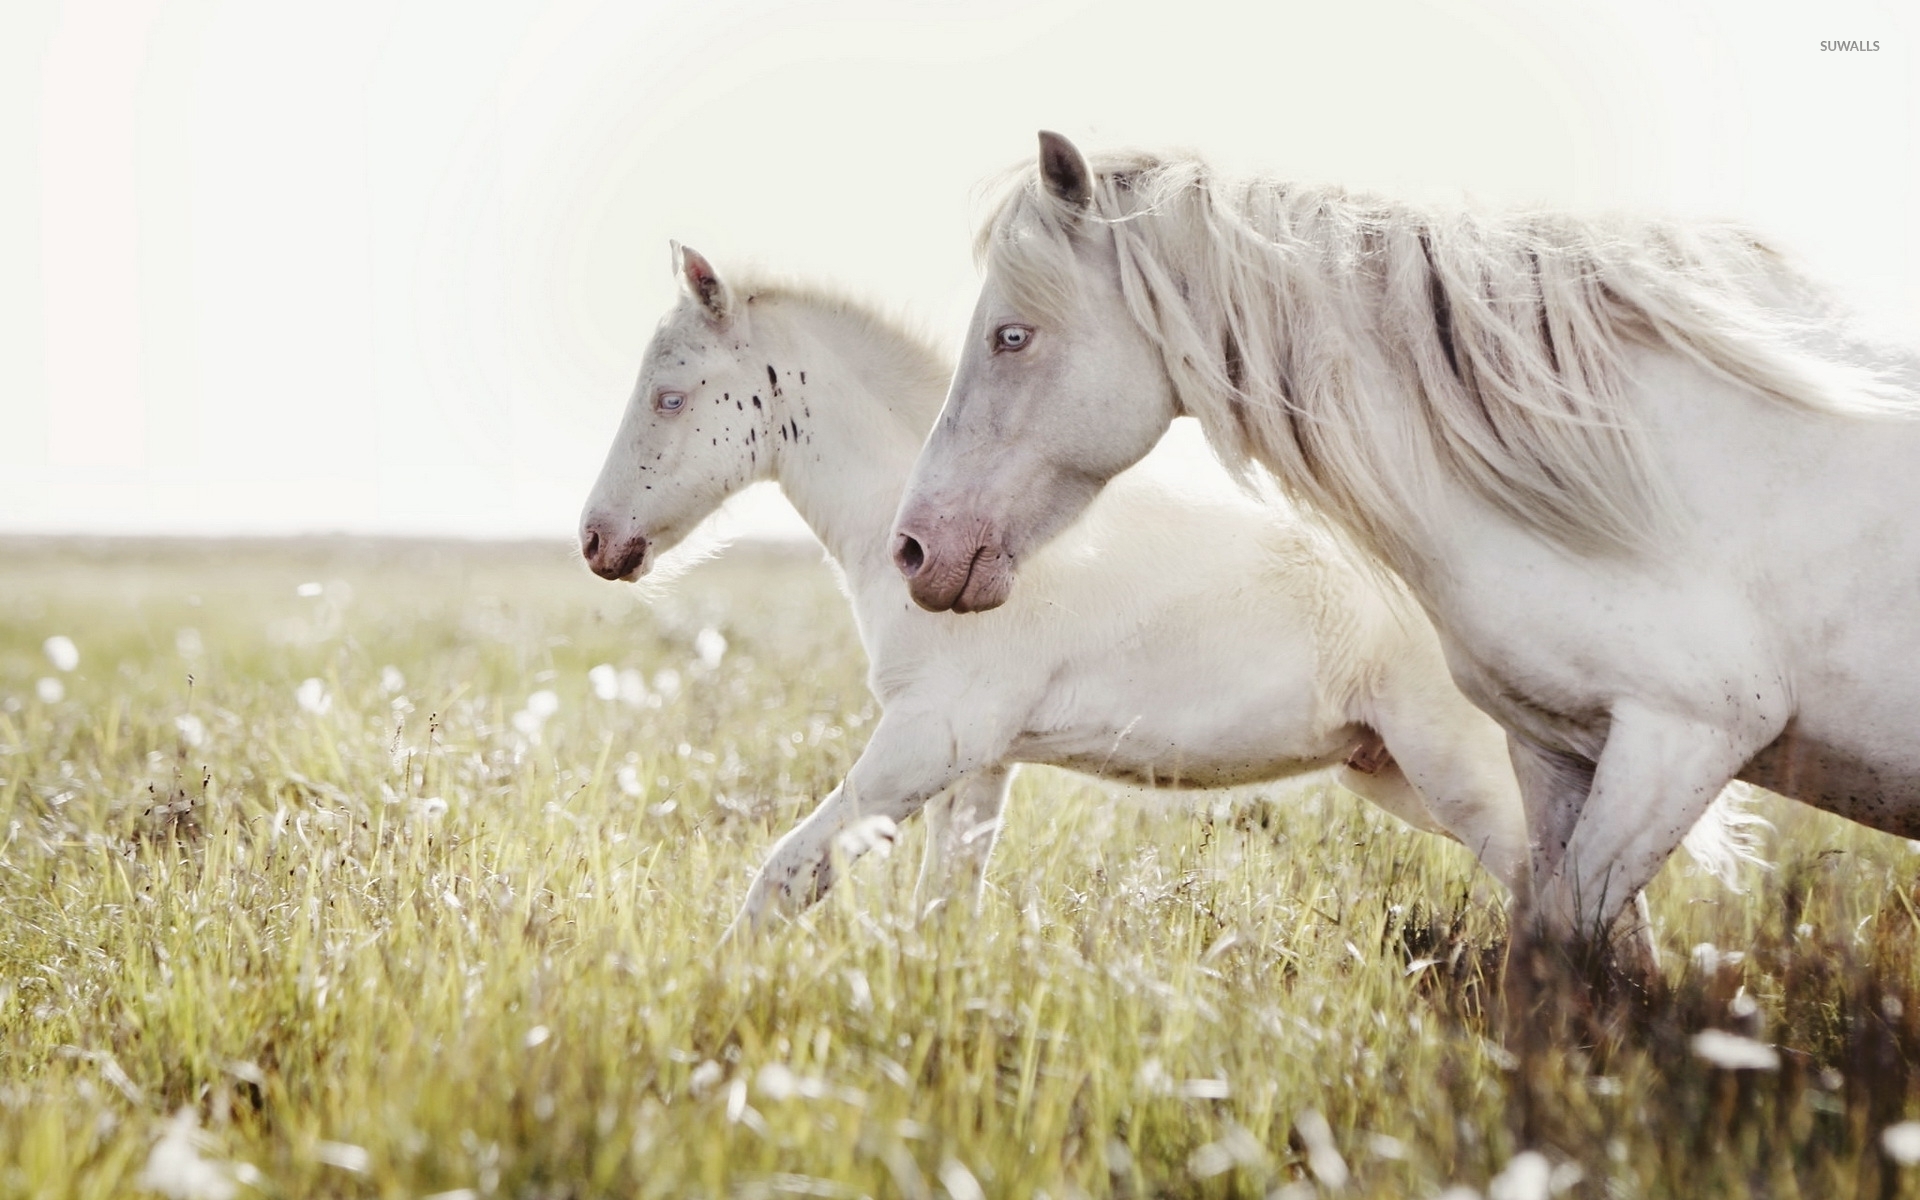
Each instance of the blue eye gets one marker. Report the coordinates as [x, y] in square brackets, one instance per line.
[670, 402]
[1012, 337]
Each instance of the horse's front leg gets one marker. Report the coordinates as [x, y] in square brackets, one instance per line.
[1656, 777]
[1553, 790]
[910, 759]
[963, 826]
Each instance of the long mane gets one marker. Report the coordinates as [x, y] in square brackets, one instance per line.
[1367, 351]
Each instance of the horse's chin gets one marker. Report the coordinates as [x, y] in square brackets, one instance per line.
[643, 568]
[988, 587]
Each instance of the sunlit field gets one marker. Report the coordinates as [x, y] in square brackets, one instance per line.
[338, 869]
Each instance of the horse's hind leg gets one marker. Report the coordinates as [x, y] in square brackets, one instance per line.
[1455, 757]
[962, 826]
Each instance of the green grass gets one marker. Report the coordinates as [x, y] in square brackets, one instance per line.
[406, 946]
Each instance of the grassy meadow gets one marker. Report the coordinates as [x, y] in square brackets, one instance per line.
[337, 869]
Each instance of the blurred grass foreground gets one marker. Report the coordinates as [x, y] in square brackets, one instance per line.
[390, 869]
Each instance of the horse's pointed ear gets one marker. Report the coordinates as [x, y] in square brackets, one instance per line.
[1065, 170]
[698, 277]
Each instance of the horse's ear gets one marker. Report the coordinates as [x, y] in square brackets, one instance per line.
[1065, 171]
[698, 277]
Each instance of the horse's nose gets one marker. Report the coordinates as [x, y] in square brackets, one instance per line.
[611, 557]
[908, 555]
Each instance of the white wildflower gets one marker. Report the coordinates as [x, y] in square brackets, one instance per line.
[530, 720]
[710, 646]
[704, 1077]
[50, 690]
[633, 688]
[1236, 1147]
[176, 1169]
[959, 1181]
[1323, 1157]
[628, 777]
[667, 682]
[1385, 1145]
[62, 653]
[605, 682]
[1528, 1176]
[343, 1155]
[1901, 1142]
[1205, 1089]
[193, 731]
[1733, 1052]
[391, 680]
[309, 590]
[314, 697]
[537, 1035]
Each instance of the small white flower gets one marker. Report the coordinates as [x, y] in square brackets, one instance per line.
[391, 680]
[1901, 1142]
[309, 590]
[605, 682]
[193, 731]
[312, 695]
[543, 703]
[176, 1170]
[537, 1035]
[628, 777]
[1385, 1145]
[633, 688]
[711, 646]
[343, 1155]
[1323, 1156]
[1733, 1052]
[50, 690]
[704, 1077]
[667, 682]
[1529, 1176]
[527, 723]
[63, 654]
[959, 1182]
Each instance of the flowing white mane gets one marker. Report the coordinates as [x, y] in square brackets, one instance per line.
[1305, 326]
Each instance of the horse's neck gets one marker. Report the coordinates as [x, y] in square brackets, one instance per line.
[857, 401]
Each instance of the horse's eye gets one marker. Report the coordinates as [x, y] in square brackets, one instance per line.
[670, 402]
[1012, 337]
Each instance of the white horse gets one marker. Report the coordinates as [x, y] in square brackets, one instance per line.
[1661, 502]
[1178, 636]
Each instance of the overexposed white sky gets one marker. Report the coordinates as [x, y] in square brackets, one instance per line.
[388, 267]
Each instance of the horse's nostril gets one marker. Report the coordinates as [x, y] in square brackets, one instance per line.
[908, 556]
[590, 544]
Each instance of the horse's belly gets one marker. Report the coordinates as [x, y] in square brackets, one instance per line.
[1871, 791]
[1176, 758]
[1858, 773]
